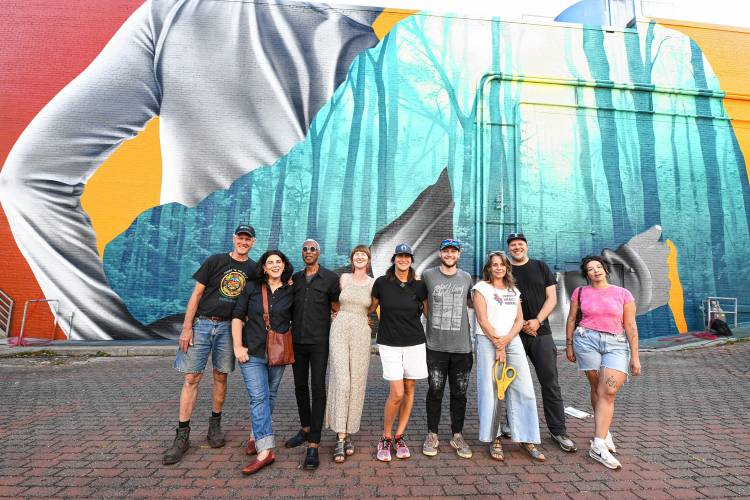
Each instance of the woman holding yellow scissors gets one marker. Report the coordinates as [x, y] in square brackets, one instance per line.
[497, 303]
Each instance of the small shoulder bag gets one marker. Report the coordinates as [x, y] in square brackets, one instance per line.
[279, 350]
[579, 313]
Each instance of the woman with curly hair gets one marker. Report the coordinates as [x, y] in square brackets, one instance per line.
[249, 339]
[602, 336]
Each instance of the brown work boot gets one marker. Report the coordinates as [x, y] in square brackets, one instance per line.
[180, 445]
[215, 436]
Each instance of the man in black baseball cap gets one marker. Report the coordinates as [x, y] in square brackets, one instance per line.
[245, 229]
[537, 285]
[206, 332]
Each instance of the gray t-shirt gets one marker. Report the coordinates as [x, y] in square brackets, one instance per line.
[448, 318]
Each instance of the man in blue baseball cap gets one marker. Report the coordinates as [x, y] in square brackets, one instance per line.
[449, 353]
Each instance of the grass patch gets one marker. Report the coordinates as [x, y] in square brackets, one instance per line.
[42, 353]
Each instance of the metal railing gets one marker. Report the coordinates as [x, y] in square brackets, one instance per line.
[711, 308]
[26, 310]
[6, 313]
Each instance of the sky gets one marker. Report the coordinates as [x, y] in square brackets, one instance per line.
[726, 12]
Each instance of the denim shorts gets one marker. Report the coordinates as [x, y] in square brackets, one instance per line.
[209, 336]
[595, 350]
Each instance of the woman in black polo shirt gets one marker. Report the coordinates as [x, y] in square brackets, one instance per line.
[261, 381]
[401, 343]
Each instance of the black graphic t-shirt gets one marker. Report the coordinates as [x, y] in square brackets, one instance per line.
[224, 279]
[400, 311]
[532, 280]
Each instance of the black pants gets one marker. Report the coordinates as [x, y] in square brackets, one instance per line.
[456, 369]
[542, 352]
[310, 360]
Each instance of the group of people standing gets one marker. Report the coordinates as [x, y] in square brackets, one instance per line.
[236, 302]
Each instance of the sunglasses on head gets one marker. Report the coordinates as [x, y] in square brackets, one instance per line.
[310, 249]
[496, 253]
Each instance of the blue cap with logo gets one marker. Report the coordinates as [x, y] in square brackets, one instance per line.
[403, 248]
[450, 243]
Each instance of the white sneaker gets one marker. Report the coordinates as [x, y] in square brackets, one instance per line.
[604, 456]
[610, 443]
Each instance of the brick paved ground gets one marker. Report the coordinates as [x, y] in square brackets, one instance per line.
[97, 428]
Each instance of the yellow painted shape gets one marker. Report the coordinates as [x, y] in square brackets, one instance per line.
[388, 19]
[728, 50]
[125, 185]
[676, 300]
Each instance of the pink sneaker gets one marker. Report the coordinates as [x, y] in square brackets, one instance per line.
[384, 450]
[402, 451]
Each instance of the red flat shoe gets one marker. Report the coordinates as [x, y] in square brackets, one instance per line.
[257, 465]
[250, 447]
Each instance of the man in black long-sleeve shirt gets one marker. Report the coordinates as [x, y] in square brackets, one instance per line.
[316, 292]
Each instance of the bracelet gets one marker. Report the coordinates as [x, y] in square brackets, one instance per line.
[568, 343]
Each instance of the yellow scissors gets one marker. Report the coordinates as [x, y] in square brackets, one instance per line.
[508, 373]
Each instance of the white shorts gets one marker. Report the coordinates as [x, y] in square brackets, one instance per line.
[403, 362]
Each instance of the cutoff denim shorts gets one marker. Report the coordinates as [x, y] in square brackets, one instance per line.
[209, 338]
[595, 350]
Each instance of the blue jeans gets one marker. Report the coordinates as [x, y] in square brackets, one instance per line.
[209, 336]
[519, 397]
[262, 384]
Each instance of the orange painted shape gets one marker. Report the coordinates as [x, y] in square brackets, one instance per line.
[125, 185]
[676, 300]
[728, 50]
[388, 19]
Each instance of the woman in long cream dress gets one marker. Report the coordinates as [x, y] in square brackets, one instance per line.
[349, 354]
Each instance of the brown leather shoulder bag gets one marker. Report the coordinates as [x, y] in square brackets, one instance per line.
[279, 350]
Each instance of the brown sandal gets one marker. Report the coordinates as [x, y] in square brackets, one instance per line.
[496, 450]
[533, 452]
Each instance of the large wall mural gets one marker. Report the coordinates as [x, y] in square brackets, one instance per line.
[589, 141]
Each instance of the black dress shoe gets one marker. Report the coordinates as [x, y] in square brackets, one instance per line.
[296, 440]
[312, 460]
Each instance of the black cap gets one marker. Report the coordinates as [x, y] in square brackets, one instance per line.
[515, 236]
[245, 228]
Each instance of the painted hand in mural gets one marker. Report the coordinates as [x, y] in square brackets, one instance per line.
[216, 74]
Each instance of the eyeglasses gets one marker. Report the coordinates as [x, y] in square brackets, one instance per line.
[310, 249]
